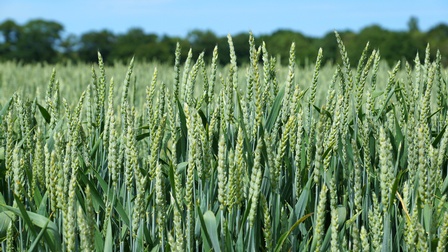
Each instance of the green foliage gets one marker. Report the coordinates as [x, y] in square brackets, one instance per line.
[35, 41]
[42, 41]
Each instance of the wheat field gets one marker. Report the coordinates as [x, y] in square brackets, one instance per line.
[203, 157]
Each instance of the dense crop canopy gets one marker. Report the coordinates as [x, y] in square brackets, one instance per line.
[250, 157]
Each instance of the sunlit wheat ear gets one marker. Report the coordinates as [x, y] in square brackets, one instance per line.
[223, 112]
[222, 175]
[320, 218]
[345, 59]
[101, 91]
[422, 238]
[320, 135]
[411, 136]
[271, 164]
[441, 245]
[178, 228]
[189, 183]
[364, 239]
[83, 228]
[316, 77]
[214, 121]
[240, 172]
[232, 180]
[160, 201]
[203, 171]
[357, 177]
[333, 137]
[9, 144]
[281, 152]
[409, 235]
[109, 112]
[257, 103]
[92, 93]
[39, 160]
[134, 174]
[375, 223]
[362, 63]
[51, 84]
[178, 185]
[334, 244]
[18, 172]
[232, 84]
[334, 228]
[128, 169]
[112, 152]
[86, 223]
[267, 224]
[266, 75]
[363, 80]
[64, 177]
[185, 74]
[422, 169]
[356, 239]
[289, 82]
[212, 80]
[49, 98]
[205, 86]
[298, 155]
[176, 85]
[157, 134]
[295, 104]
[70, 227]
[124, 96]
[255, 183]
[426, 99]
[411, 229]
[89, 111]
[191, 82]
[11, 234]
[441, 94]
[386, 169]
[416, 89]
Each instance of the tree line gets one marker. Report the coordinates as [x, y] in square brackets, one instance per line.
[41, 40]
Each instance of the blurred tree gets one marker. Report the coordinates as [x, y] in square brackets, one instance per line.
[330, 47]
[402, 46]
[393, 46]
[40, 40]
[92, 42]
[413, 25]
[134, 43]
[69, 48]
[279, 43]
[203, 41]
[224, 52]
[437, 38]
[374, 34]
[37, 40]
[169, 43]
[241, 46]
[153, 51]
[10, 33]
[439, 32]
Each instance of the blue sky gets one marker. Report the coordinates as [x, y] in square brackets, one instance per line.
[178, 17]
